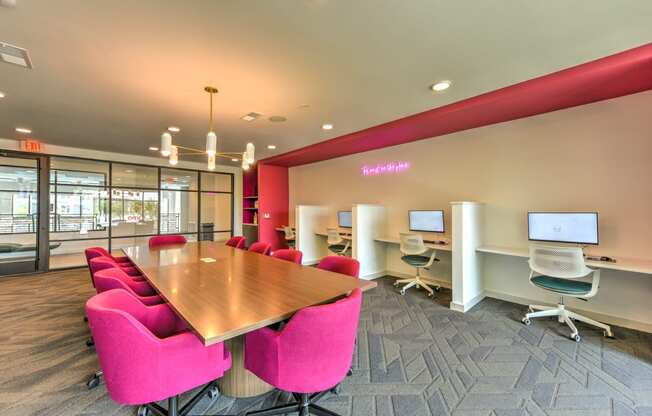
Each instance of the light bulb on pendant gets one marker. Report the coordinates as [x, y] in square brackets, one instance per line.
[211, 143]
[174, 155]
[166, 144]
[245, 165]
[249, 153]
[211, 162]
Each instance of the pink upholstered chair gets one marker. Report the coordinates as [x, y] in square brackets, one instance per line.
[115, 278]
[311, 354]
[340, 264]
[100, 263]
[261, 248]
[147, 354]
[237, 241]
[93, 252]
[166, 240]
[289, 255]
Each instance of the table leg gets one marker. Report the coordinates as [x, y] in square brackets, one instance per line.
[238, 381]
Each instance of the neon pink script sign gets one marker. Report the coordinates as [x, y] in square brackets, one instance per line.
[385, 168]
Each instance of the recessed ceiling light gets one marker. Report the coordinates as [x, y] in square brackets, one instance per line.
[327, 126]
[440, 85]
[277, 119]
[15, 55]
[271, 146]
[154, 148]
[174, 129]
[23, 130]
[2, 94]
[234, 160]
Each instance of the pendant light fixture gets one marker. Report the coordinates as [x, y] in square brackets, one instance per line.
[172, 151]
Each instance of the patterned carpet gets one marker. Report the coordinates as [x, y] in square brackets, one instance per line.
[414, 357]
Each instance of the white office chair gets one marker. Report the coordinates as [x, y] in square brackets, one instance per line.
[290, 237]
[336, 243]
[414, 250]
[557, 269]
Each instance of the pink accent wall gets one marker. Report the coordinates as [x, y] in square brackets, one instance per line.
[614, 76]
[273, 199]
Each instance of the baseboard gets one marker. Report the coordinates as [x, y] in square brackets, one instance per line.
[608, 319]
[465, 307]
[373, 276]
[310, 262]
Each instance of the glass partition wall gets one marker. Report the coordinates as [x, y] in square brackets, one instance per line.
[116, 205]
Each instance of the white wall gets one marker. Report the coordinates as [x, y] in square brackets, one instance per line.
[594, 157]
[9, 144]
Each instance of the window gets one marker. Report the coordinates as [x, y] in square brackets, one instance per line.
[216, 206]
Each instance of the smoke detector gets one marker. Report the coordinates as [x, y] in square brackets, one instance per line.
[14, 55]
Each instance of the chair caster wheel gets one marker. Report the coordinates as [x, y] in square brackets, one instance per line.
[85, 318]
[608, 335]
[396, 283]
[526, 321]
[90, 342]
[402, 292]
[431, 295]
[576, 337]
[437, 288]
[349, 373]
[530, 310]
[213, 393]
[337, 389]
[93, 382]
[143, 411]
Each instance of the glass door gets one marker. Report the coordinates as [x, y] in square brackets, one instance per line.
[20, 222]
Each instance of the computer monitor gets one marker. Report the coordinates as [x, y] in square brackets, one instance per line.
[563, 227]
[345, 219]
[427, 221]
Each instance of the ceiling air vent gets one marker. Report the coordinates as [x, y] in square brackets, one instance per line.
[250, 116]
[14, 55]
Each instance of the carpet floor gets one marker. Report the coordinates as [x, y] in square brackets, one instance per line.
[414, 356]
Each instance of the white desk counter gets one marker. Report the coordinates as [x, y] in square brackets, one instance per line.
[622, 263]
[325, 234]
[392, 240]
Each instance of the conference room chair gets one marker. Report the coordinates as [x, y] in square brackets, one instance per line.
[261, 248]
[336, 243]
[290, 237]
[292, 255]
[147, 354]
[237, 241]
[557, 270]
[339, 264]
[93, 252]
[309, 357]
[101, 263]
[418, 255]
[166, 240]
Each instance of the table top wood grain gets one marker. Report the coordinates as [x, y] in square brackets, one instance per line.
[239, 291]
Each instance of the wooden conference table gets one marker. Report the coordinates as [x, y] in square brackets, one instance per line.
[222, 293]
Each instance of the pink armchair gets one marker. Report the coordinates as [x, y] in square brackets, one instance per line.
[340, 264]
[311, 354]
[100, 263]
[237, 241]
[261, 248]
[93, 252]
[147, 354]
[115, 278]
[166, 240]
[294, 256]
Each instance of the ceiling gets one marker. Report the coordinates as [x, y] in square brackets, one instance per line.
[113, 75]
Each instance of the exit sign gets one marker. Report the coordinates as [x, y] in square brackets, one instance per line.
[31, 145]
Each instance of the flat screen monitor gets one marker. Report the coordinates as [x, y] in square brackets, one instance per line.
[563, 227]
[427, 221]
[345, 219]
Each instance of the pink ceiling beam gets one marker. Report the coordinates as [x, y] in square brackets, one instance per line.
[613, 76]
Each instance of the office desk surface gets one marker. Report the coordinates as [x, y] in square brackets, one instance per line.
[622, 263]
[343, 235]
[392, 240]
[238, 292]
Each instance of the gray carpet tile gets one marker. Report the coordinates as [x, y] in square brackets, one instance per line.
[414, 356]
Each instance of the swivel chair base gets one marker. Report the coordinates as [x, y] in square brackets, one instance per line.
[173, 409]
[94, 380]
[565, 316]
[418, 281]
[305, 405]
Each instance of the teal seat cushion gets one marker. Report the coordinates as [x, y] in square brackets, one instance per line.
[336, 247]
[416, 260]
[565, 286]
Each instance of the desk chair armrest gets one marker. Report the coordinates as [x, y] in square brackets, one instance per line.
[595, 283]
[187, 357]
[141, 288]
[433, 257]
[346, 246]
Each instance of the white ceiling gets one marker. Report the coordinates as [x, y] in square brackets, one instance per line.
[112, 75]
